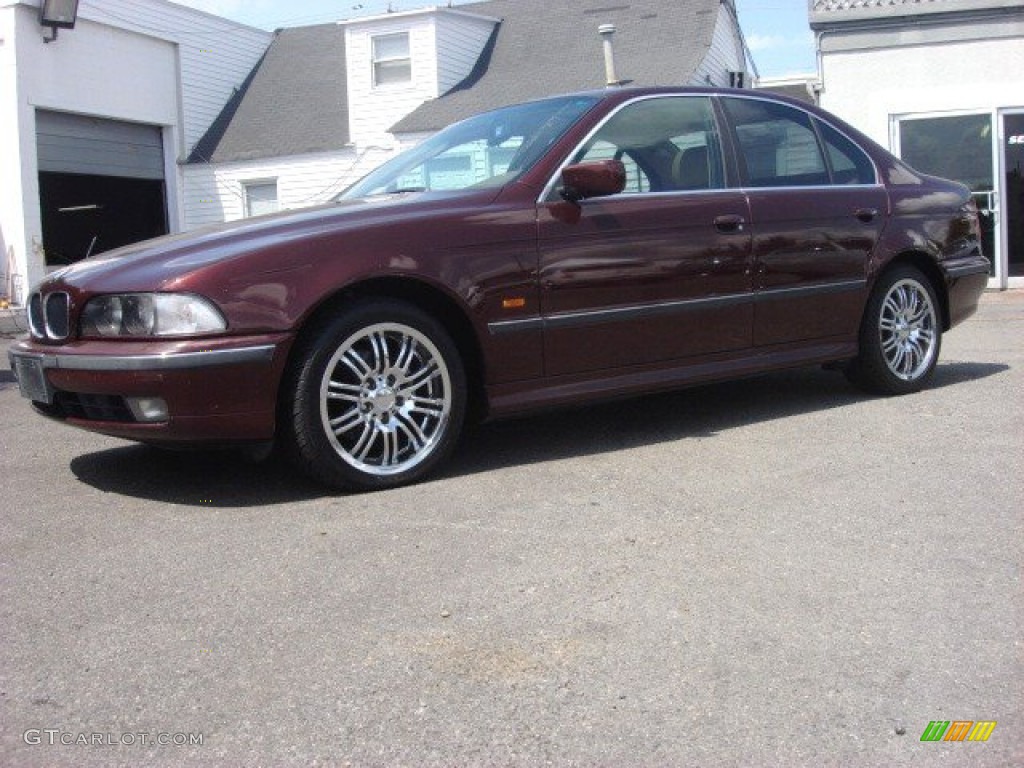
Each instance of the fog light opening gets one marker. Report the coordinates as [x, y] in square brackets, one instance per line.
[148, 409]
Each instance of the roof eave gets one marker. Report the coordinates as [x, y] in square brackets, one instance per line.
[963, 10]
[426, 11]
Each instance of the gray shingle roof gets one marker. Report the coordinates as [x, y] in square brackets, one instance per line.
[544, 47]
[294, 102]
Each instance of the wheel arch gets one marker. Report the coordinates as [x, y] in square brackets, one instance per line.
[926, 265]
[426, 297]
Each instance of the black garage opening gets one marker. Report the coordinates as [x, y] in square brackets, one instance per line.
[101, 184]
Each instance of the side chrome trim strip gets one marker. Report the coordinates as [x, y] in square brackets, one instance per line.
[616, 314]
[775, 294]
[503, 327]
[595, 317]
[211, 359]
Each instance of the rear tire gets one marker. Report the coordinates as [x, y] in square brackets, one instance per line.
[900, 335]
[375, 397]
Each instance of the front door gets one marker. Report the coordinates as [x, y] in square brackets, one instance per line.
[659, 272]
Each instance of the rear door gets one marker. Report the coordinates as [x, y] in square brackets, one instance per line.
[817, 211]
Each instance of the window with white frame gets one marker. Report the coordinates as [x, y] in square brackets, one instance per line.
[392, 64]
[260, 197]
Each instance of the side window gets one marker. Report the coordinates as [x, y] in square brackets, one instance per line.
[260, 197]
[667, 144]
[777, 143]
[849, 163]
[392, 64]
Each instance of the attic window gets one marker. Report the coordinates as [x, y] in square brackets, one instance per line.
[391, 62]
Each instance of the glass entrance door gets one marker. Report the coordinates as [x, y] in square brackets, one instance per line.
[1013, 192]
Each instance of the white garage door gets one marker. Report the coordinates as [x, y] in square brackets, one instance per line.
[96, 147]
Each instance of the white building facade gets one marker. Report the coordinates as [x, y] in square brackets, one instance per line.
[94, 124]
[941, 84]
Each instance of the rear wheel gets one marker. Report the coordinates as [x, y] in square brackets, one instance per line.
[900, 335]
[375, 399]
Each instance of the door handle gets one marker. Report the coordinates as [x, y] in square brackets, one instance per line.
[867, 215]
[730, 223]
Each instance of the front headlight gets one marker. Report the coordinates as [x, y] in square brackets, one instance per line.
[150, 314]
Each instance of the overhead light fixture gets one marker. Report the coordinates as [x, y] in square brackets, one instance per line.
[57, 15]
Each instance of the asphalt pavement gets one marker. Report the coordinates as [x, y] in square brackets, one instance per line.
[775, 572]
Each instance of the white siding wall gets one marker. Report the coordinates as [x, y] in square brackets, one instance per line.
[725, 54]
[217, 191]
[460, 41]
[410, 140]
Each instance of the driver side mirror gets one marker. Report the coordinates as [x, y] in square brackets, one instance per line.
[598, 178]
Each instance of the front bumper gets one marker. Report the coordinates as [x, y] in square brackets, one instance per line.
[216, 390]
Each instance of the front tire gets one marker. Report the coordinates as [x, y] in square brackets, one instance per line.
[900, 335]
[375, 398]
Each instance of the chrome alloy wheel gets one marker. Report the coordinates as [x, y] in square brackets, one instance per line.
[907, 330]
[385, 399]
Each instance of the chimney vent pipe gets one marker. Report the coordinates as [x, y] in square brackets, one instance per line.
[607, 31]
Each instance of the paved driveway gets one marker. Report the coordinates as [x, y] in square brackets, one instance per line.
[778, 572]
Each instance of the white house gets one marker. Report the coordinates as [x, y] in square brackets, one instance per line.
[941, 83]
[94, 124]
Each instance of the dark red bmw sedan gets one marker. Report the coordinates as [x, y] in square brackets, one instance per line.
[588, 246]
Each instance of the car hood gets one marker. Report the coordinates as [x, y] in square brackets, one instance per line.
[154, 265]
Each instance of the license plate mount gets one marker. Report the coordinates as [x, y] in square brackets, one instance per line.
[32, 379]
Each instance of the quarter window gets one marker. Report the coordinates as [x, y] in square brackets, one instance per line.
[666, 144]
[392, 64]
[260, 198]
[849, 163]
[778, 146]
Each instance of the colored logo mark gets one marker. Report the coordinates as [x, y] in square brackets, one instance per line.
[958, 730]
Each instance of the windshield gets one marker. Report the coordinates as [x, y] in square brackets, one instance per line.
[488, 150]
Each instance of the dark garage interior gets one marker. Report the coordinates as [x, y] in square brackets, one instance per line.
[85, 214]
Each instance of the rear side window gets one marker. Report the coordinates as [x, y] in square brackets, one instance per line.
[849, 163]
[778, 146]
